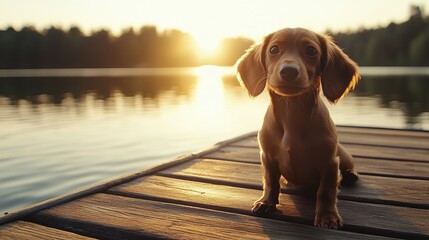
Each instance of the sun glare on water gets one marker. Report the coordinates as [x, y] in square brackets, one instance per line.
[210, 90]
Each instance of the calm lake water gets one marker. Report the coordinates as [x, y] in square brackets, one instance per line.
[61, 130]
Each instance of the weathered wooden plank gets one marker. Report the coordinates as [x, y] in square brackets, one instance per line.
[362, 150]
[361, 139]
[359, 217]
[246, 154]
[397, 191]
[388, 152]
[395, 142]
[412, 170]
[384, 137]
[407, 169]
[235, 172]
[28, 230]
[387, 141]
[383, 131]
[372, 136]
[131, 218]
[239, 154]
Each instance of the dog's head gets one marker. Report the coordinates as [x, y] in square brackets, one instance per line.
[293, 61]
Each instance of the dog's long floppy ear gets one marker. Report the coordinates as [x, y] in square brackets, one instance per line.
[251, 71]
[340, 74]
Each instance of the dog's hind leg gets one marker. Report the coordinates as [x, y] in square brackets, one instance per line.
[347, 167]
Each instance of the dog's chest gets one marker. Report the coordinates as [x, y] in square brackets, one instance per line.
[297, 163]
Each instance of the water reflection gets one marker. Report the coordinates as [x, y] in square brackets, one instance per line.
[410, 92]
[205, 86]
[31, 89]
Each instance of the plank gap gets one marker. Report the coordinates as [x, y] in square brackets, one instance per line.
[383, 145]
[383, 202]
[239, 144]
[420, 133]
[394, 176]
[97, 231]
[355, 156]
[232, 160]
[383, 232]
[29, 230]
[390, 159]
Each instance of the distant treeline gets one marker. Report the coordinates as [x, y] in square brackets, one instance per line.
[405, 44]
[397, 44]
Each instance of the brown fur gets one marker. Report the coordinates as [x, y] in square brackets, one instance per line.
[298, 139]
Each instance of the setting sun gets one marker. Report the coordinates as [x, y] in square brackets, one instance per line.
[207, 45]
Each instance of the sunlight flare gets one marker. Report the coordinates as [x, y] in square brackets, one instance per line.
[210, 90]
[207, 45]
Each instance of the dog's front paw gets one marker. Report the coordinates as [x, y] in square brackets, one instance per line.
[330, 220]
[263, 209]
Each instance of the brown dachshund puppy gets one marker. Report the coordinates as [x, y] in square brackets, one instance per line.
[298, 139]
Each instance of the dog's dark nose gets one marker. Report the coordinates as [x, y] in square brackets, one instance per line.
[289, 72]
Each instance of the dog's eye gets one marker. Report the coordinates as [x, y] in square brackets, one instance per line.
[274, 49]
[310, 51]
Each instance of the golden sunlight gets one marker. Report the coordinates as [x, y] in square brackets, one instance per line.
[207, 45]
[210, 90]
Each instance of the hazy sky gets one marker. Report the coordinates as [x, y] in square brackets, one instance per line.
[207, 20]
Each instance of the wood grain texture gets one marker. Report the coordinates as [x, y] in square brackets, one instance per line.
[388, 132]
[30, 231]
[361, 150]
[385, 140]
[251, 154]
[384, 137]
[131, 218]
[388, 152]
[363, 217]
[397, 191]
[416, 140]
[410, 169]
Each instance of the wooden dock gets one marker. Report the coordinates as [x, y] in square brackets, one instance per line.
[209, 194]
